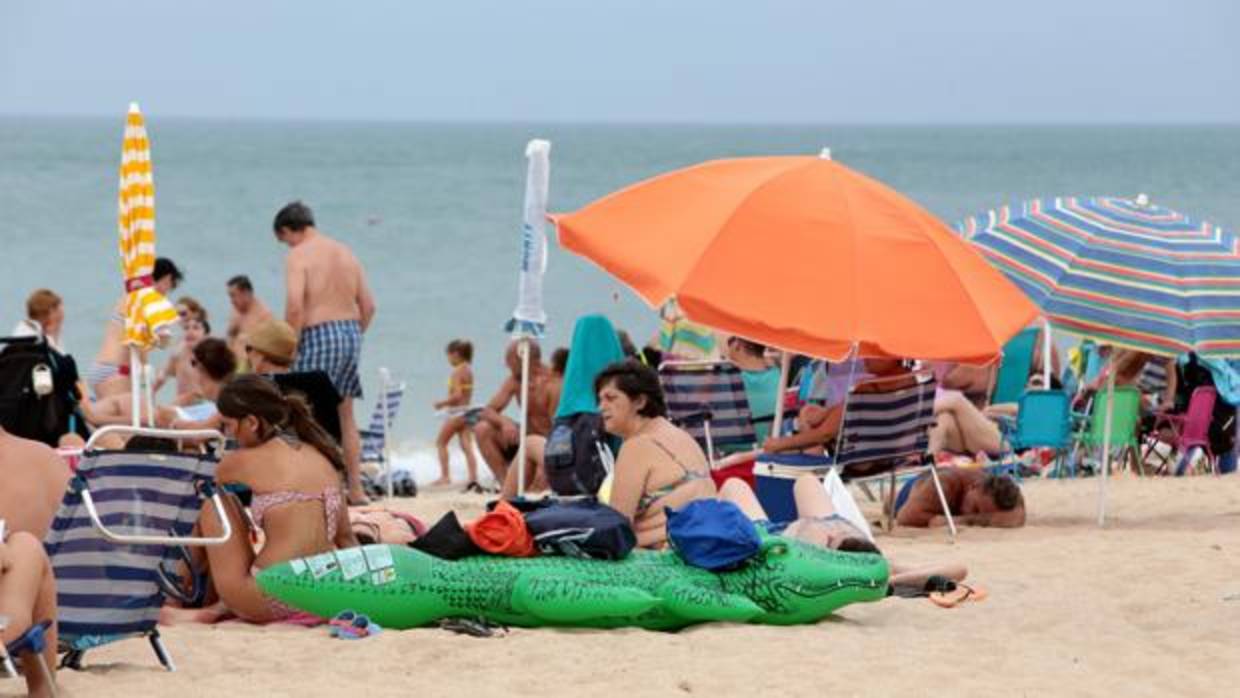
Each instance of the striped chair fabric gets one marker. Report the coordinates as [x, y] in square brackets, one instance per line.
[108, 591]
[709, 402]
[374, 437]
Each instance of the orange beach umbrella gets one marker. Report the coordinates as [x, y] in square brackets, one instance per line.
[803, 254]
[148, 315]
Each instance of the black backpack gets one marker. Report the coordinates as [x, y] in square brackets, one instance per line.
[573, 458]
[23, 411]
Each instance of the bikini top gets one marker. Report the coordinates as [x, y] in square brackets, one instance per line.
[330, 497]
[655, 495]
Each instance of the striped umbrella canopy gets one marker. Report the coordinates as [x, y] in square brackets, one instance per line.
[1122, 272]
[149, 316]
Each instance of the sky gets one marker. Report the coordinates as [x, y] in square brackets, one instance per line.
[696, 61]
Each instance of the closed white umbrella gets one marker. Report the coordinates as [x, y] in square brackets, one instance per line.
[529, 319]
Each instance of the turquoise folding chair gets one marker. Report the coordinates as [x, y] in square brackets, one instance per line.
[1044, 422]
[1014, 368]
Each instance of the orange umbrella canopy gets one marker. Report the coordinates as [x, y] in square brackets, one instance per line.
[803, 254]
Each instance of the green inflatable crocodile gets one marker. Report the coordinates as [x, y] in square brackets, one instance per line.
[787, 582]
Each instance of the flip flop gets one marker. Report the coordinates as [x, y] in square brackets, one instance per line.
[959, 595]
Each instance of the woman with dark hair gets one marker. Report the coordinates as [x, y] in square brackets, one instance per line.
[659, 465]
[296, 473]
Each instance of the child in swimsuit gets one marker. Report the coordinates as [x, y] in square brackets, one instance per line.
[460, 391]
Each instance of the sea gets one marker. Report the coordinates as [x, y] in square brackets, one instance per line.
[433, 211]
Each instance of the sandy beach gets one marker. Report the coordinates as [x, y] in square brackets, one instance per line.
[1148, 606]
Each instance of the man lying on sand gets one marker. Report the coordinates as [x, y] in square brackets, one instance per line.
[974, 496]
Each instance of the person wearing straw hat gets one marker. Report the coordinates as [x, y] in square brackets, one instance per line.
[329, 305]
[270, 347]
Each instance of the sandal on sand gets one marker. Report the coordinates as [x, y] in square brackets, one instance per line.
[962, 593]
[934, 584]
[473, 627]
[348, 625]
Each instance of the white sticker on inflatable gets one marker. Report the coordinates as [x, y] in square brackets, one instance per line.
[378, 557]
[352, 563]
[321, 565]
[298, 566]
[384, 576]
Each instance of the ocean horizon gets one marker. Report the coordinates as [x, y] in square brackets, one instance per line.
[433, 209]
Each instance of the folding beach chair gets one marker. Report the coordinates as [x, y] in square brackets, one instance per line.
[1125, 421]
[1043, 420]
[886, 429]
[1188, 431]
[1014, 368]
[708, 400]
[375, 439]
[123, 514]
[31, 641]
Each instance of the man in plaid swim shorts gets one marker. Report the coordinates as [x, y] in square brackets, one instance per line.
[329, 303]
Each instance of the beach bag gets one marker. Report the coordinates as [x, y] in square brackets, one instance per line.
[446, 540]
[572, 457]
[37, 394]
[712, 534]
[583, 528]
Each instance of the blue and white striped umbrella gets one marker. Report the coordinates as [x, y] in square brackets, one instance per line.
[1122, 272]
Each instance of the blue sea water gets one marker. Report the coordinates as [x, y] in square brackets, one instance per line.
[433, 210]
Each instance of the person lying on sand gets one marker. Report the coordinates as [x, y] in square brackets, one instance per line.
[297, 476]
[819, 524]
[974, 496]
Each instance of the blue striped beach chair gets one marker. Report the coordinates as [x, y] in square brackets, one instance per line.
[123, 514]
[708, 400]
[387, 406]
[884, 436]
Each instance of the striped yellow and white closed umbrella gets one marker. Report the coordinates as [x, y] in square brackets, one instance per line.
[148, 315]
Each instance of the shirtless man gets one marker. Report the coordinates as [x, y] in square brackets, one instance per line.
[248, 313]
[975, 497]
[498, 436]
[34, 480]
[109, 374]
[330, 305]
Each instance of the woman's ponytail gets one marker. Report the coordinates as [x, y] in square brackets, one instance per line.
[309, 432]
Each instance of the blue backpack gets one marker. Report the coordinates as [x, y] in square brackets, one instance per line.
[712, 534]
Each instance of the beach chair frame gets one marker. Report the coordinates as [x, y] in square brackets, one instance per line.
[374, 438]
[75, 645]
[885, 425]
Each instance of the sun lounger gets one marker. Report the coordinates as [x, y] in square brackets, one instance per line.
[122, 515]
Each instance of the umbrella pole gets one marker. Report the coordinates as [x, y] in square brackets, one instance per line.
[785, 364]
[1046, 354]
[135, 386]
[1106, 447]
[525, 412]
[148, 389]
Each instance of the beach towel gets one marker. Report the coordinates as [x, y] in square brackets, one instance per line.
[502, 531]
[594, 346]
[336, 349]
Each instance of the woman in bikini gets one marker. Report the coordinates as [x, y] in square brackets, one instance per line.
[659, 465]
[296, 474]
[818, 523]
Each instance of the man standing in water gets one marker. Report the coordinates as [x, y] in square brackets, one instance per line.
[247, 314]
[329, 303]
